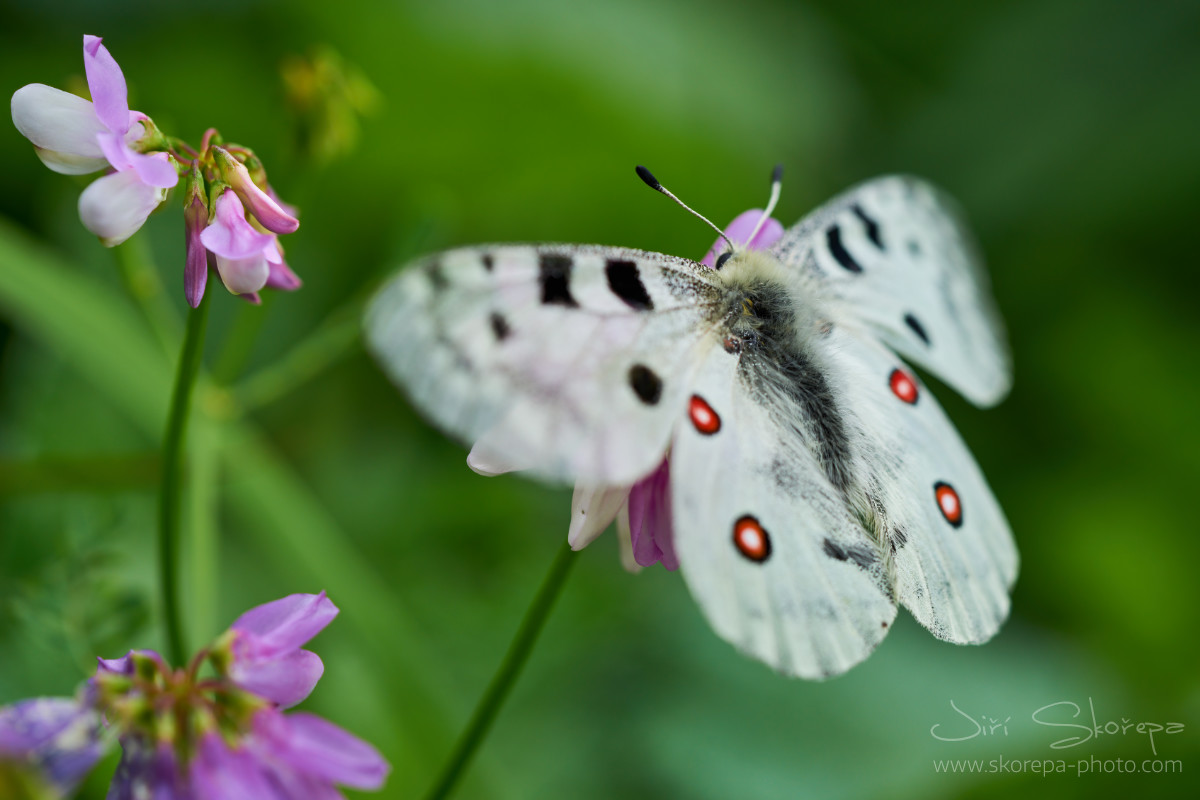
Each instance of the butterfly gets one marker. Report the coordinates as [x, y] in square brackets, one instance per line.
[815, 483]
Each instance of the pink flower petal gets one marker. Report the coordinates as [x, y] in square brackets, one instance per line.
[287, 623]
[285, 679]
[317, 748]
[231, 236]
[119, 666]
[282, 277]
[219, 773]
[106, 84]
[739, 230]
[115, 206]
[243, 276]
[650, 522]
[265, 210]
[61, 125]
[593, 508]
[153, 169]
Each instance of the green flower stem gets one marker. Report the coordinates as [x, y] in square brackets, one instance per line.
[506, 676]
[171, 492]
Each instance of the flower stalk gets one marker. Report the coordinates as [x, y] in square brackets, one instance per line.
[502, 682]
[171, 490]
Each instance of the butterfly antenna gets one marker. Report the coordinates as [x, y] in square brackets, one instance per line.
[776, 187]
[653, 183]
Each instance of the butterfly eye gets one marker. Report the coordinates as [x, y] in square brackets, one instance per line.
[721, 259]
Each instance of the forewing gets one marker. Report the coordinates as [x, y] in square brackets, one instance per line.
[570, 360]
[770, 551]
[952, 550]
[893, 253]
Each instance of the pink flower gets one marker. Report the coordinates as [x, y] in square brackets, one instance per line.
[643, 510]
[247, 259]
[267, 659]
[75, 137]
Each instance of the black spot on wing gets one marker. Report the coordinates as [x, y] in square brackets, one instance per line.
[833, 237]
[916, 327]
[861, 556]
[833, 550]
[489, 263]
[554, 275]
[626, 283]
[500, 327]
[645, 384]
[870, 224]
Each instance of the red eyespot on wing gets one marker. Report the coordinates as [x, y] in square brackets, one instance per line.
[903, 386]
[703, 417]
[751, 540]
[948, 503]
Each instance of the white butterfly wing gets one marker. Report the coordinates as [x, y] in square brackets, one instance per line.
[893, 253]
[778, 563]
[571, 360]
[954, 560]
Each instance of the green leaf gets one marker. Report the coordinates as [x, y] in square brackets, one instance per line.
[87, 325]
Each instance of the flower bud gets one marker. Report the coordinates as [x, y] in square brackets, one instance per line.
[195, 216]
[269, 213]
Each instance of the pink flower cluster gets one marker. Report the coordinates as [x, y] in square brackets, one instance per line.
[233, 217]
[184, 736]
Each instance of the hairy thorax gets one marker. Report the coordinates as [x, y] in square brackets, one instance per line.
[773, 323]
[767, 305]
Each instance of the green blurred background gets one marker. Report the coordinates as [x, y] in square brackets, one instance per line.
[1069, 132]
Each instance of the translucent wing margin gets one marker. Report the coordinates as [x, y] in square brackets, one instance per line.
[953, 560]
[893, 254]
